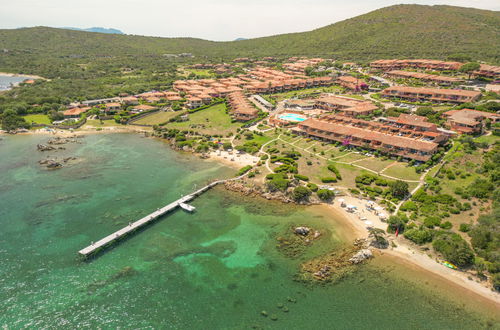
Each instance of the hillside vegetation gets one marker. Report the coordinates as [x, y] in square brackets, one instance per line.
[396, 31]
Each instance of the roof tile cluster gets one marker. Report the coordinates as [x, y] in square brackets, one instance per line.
[423, 76]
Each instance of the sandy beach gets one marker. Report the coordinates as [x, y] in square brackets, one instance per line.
[233, 158]
[407, 251]
[28, 76]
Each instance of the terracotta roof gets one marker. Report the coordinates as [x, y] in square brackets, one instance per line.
[347, 130]
[75, 111]
[143, 107]
[469, 116]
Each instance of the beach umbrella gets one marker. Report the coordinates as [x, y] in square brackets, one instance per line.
[341, 200]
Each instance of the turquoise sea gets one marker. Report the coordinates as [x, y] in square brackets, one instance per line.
[217, 268]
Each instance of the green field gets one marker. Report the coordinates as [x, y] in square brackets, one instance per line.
[37, 119]
[283, 96]
[402, 171]
[157, 118]
[213, 120]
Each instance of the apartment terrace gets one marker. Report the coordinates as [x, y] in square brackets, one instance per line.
[417, 64]
[469, 121]
[352, 83]
[489, 71]
[241, 108]
[431, 94]
[349, 106]
[423, 76]
[349, 131]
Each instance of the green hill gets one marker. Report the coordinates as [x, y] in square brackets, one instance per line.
[396, 31]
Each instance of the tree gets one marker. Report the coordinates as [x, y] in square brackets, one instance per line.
[454, 248]
[379, 240]
[301, 193]
[399, 189]
[325, 194]
[11, 121]
[469, 68]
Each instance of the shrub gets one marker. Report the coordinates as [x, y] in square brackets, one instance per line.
[464, 227]
[419, 236]
[408, 206]
[328, 180]
[301, 177]
[325, 194]
[453, 247]
[312, 186]
[446, 225]
[301, 193]
[243, 170]
[395, 223]
[333, 169]
[432, 221]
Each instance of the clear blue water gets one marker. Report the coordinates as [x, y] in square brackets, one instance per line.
[216, 268]
[292, 117]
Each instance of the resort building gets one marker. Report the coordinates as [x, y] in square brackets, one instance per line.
[441, 80]
[113, 107]
[91, 103]
[142, 108]
[489, 71]
[352, 83]
[409, 144]
[75, 112]
[436, 95]
[241, 109]
[130, 100]
[348, 106]
[417, 124]
[387, 65]
[194, 102]
[468, 121]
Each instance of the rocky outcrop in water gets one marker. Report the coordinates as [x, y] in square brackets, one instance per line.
[52, 163]
[43, 147]
[361, 256]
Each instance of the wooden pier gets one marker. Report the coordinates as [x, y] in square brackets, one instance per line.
[110, 239]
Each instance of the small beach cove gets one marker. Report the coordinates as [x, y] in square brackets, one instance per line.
[218, 267]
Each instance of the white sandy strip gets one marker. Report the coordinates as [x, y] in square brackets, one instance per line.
[406, 250]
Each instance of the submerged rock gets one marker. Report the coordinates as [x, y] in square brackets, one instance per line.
[361, 256]
[43, 147]
[304, 231]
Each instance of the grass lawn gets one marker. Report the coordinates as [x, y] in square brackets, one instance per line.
[351, 157]
[287, 95]
[38, 119]
[375, 164]
[213, 120]
[402, 171]
[199, 72]
[490, 139]
[158, 118]
[353, 96]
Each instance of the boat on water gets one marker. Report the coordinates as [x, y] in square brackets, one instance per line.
[449, 265]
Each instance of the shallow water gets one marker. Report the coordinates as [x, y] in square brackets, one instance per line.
[217, 268]
[6, 82]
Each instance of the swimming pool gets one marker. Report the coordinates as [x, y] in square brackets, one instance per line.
[292, 117]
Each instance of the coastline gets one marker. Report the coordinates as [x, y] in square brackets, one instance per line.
[404, 252]
[410, 255]
[29, 76]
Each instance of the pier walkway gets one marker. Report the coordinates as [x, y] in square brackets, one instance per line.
[97, 246]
